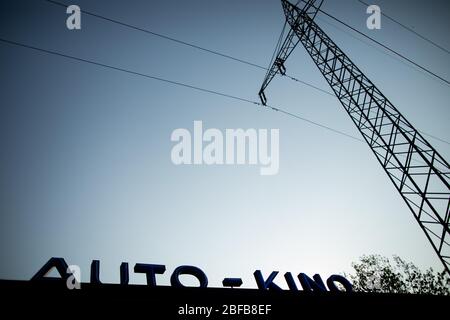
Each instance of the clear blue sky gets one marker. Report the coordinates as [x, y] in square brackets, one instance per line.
[85, 169]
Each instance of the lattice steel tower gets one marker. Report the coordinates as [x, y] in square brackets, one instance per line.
[419, 173]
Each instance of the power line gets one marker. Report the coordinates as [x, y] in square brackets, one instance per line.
[365, 42]
[434, 137]
[177, 83]
[310, 85]
[209, 51]
[315, 123]
[185, 43]
[160, 35]
[386, 47]
[122, 69]
[277, 47]
[181, 84]
[373, 46]
[410, 29]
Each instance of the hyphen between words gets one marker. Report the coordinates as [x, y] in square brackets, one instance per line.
[72, 275]
[190, 148]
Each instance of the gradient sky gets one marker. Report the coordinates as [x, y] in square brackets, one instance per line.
[85, 168]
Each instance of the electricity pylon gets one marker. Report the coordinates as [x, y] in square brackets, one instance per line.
[419, 173]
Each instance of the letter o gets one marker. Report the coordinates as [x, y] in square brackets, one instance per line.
[337, 278]
[191, 270]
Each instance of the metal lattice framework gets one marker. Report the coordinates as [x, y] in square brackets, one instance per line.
[419, 173]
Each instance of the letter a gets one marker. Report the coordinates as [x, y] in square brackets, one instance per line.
[374, 20]
[74, 20]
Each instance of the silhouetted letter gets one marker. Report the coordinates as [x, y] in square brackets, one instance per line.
[309, 284]
[124, 274]
[58, 263]
[95, 272]
[193, 271]
[290, 281]
[150, 270]
[266, 284]
[337, 278]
